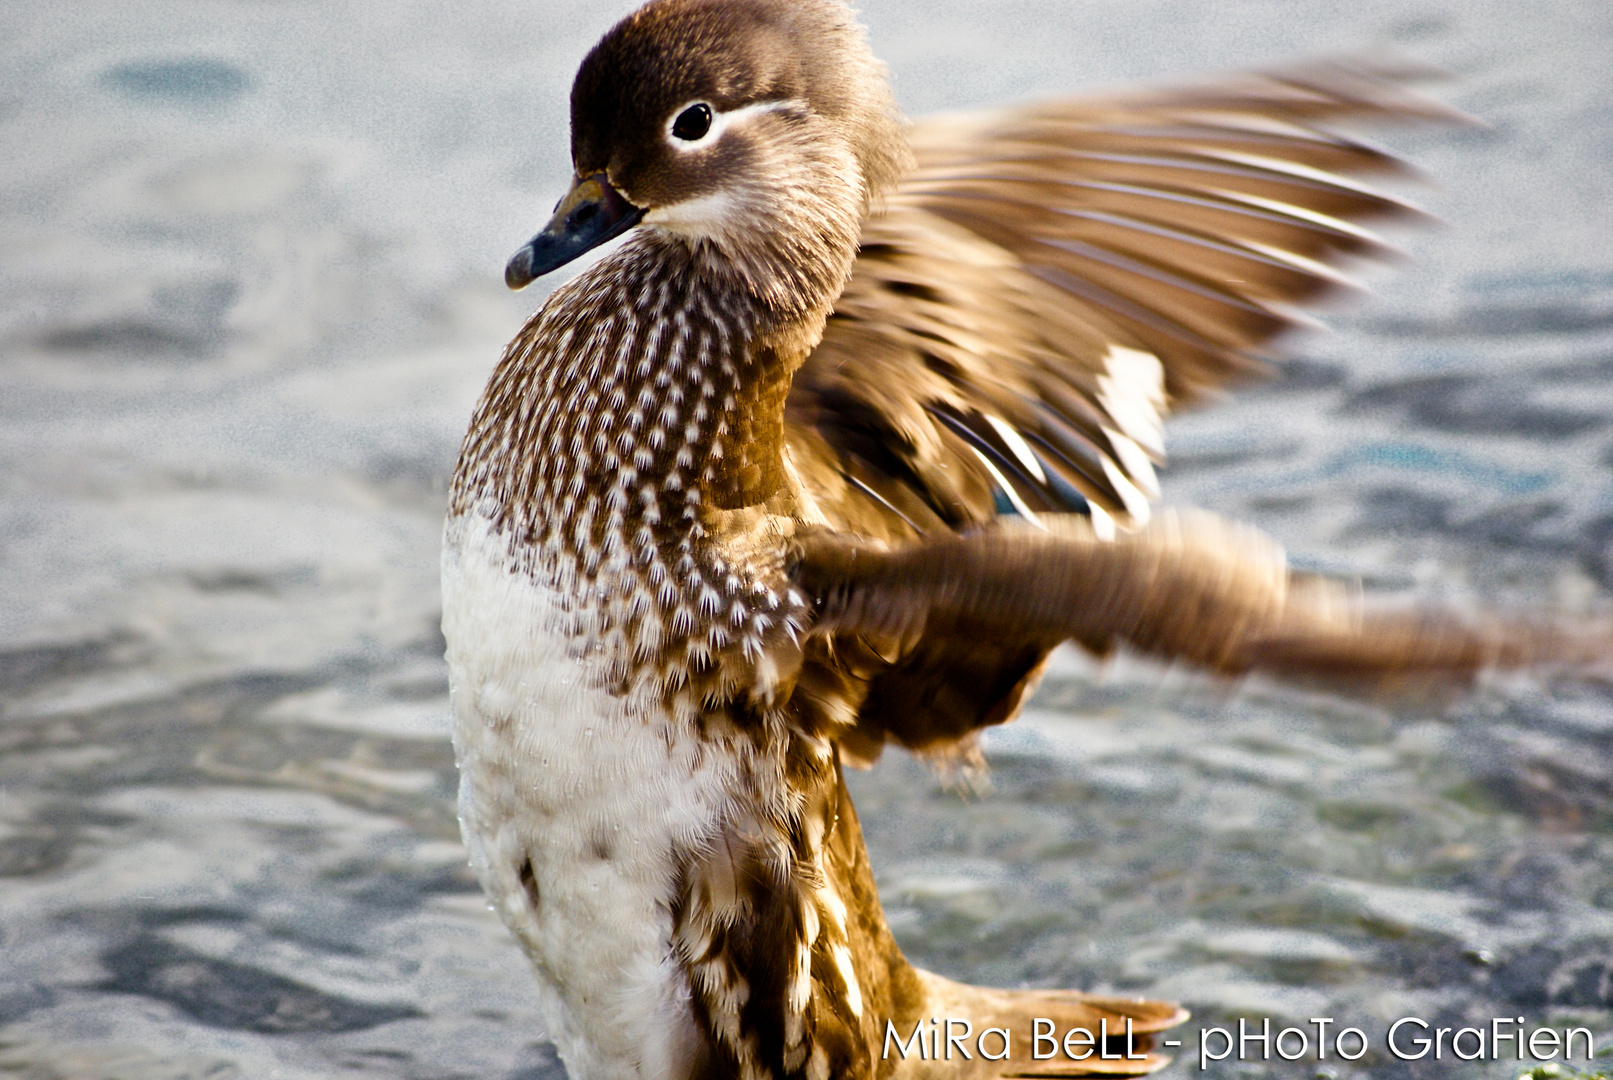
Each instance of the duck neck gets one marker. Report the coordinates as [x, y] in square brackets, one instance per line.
[752, 325]
[645, 393]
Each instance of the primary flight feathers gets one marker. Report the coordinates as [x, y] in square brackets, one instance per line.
[1053, 278]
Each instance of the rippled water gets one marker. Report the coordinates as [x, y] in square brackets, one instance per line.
[251, 288]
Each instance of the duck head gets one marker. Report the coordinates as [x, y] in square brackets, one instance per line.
[753, 133]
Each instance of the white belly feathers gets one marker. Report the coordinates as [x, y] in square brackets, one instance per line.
[576, 805]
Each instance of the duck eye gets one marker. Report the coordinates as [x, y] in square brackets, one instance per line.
[693, 123]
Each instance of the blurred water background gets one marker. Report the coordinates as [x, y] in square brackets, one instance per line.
[249, 291]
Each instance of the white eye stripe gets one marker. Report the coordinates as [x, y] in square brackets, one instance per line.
[720, 121]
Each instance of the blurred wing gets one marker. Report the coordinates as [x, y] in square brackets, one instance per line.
[1053, 278]
[1190, 587]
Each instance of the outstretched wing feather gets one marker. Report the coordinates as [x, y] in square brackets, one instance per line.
[1036, 295]
[1030, 243]
[1190, 587]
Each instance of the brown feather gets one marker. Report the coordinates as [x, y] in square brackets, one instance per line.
[774, 530]
[1183, 223]
[1190, 587]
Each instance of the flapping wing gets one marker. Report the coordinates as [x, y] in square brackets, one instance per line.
[1053, 278]
[1190, 587]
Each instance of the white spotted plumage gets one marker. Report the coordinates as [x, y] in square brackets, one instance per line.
[590, 615]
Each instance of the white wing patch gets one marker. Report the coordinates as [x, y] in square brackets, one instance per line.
[1007, 489]
[1022, 449]
[1103, 526]
[1136, 502]
[1132, 391]
[1135, 462]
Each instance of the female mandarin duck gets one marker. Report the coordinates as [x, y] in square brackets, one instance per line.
[854, 428]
